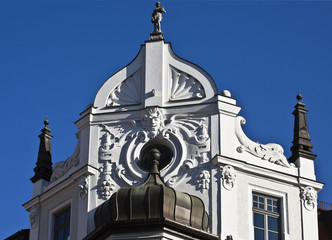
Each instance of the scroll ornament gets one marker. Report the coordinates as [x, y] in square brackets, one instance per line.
[83, 187]
[61, 168]
[186, 135]
[271, 152]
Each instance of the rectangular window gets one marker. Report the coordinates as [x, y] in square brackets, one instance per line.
[266, 217]
[62, 224]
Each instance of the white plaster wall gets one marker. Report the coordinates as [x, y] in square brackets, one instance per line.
[68, 196]
[236, 206]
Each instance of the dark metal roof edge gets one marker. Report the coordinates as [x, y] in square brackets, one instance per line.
[148, 225]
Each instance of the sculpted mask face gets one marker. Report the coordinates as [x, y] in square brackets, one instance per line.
[154, 121]
[311, 196]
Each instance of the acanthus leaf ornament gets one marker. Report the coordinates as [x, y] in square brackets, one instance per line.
[122, 174]
[309, 197]
[61, 168]
[183, 171]
[228, 174]
[271, 152]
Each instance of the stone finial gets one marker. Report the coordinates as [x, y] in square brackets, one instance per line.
[154, 158]
[301, 141]
[43, 169]
[299, 97]
[46, 122]
[156, 19]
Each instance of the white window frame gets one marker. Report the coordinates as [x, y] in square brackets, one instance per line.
[284, 218]
[51, 215]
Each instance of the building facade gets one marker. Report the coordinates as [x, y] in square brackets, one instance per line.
[247, 190]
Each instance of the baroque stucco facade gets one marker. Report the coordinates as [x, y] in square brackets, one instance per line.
[160, 98]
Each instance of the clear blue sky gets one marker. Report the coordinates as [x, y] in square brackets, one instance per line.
[55, 54]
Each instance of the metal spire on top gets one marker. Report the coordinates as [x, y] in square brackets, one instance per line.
[43, 169]
[302, 146]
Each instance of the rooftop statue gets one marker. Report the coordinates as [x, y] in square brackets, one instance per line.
[156, 18]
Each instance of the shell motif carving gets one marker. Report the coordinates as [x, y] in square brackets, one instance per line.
[128, 92]
[309, 197]
[184, 86]
[271, 152]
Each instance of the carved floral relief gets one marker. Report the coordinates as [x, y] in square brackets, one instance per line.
[203, 180]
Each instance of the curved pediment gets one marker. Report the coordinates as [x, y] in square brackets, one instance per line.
[124, 88]
[156, 77]
[188, 82]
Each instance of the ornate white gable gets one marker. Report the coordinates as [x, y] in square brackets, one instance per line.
[156, 77]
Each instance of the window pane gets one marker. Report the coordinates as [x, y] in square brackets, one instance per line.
[273, 236]
[261, 199]
[261, 206]
[255, 198]
[259, 234]
[269, 201]
[60, 233]
[61, 219]
[269, 208]
[275, 209]
[67, 215]
[258, 220]
[67, 232]
[273, 224]
[275, 203]
[62, 224]
[255, 205]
